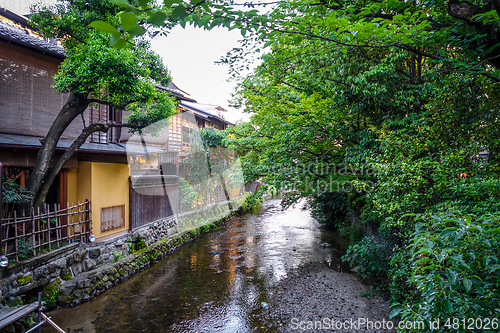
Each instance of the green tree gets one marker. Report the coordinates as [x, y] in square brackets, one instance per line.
[431, 31]
[407, 89]
[95, 72]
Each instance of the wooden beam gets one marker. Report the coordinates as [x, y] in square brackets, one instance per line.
[17, 314]
[48, 320]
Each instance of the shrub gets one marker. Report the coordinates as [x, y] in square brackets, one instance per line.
[252, 202]
[400, 287]
[455, 269]
[371, 256]
[330, 208]
[137, 243]
[25, 248]
[187, 195]
[12, 193]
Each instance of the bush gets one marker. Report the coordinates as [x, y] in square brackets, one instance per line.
[252, 202]
[371, 256]
[187, 195]
[25, 248]
[12, 193]
[351, 233]
[455, 269]
[400, 287]
[330, 208]
[137, 243]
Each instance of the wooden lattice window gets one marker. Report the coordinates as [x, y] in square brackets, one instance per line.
[175, 134]
[112, 217]
[98, 114]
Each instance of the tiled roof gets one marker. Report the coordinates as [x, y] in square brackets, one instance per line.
[176, 93]
[206, 111]
[18, 35]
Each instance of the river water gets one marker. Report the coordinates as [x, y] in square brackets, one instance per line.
[216, 283]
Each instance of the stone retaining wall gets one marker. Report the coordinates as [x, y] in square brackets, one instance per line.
[92, 283]
[79, 272]
[73, 261]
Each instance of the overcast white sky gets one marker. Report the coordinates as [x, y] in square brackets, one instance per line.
[190, 55]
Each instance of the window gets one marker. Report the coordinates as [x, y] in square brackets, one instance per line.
[112, 217]
[186, 134]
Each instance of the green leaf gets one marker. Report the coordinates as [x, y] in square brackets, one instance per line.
[423, 260]
[128, 20]
[430, 267]
[104, 27]
[157, 18]
[169, 3]
[395, 311]
[446, 232]
[451, 275]
[493, 268]
[448, 306]
[117, 41]
[137, 31]
[121, 3]
[144, 3]
[243, 32]
[178, 13]
[467, 284]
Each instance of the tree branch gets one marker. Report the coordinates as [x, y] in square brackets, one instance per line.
[463, 10]
[86, 132]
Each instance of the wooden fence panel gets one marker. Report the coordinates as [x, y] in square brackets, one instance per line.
[31, 234]
[144, 209]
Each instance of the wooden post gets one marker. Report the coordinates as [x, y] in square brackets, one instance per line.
[78, 212]
[15, 235]
[39, 228]
[80, 222]
[48, 226]
[67, 221]
[39, 311]
[89, 218]
[6, 236]
[33, 229]
[24, 222]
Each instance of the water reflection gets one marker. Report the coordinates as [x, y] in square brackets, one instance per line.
[214, 284]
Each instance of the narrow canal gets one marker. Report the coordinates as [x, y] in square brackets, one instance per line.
[214, 284]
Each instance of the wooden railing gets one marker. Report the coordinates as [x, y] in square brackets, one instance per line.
[31, 234]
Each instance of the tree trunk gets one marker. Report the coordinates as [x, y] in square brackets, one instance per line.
[97, 127]
[226, 193]
[75, 105]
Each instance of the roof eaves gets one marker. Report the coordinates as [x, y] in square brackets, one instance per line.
[19, 36]
[206, 114]
[176, 94]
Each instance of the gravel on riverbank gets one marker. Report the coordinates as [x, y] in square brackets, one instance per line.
[317, 298]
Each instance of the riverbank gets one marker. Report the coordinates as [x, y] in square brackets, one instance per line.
[69, 280]
[319, 298]
[218, 282]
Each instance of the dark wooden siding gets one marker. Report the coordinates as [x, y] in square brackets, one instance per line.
[28, 102]
[145, 209]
